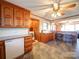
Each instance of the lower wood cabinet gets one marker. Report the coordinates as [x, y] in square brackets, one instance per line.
[2, 50]
[28, 43]
[45, 37]
[10, 49]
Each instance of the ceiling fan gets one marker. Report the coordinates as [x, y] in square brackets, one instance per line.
[58, 8]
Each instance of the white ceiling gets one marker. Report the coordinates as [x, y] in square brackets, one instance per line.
[35, 5]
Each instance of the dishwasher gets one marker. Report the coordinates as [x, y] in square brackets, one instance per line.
[14, 48]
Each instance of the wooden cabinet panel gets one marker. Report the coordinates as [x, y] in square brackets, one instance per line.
[2, 51]
[0, 8]
[18, 17]
[27, 21]
[7, 15]
[28, 43]
[35, 25]
[28, 49]
[45, 37]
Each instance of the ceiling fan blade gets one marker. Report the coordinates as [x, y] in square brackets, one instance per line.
[69, 6]
[65, 7]
[61, 13]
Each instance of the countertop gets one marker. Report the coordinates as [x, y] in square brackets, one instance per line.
[12, 37]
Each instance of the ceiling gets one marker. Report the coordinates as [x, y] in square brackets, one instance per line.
[35, 6]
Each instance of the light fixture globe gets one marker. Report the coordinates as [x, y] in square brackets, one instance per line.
[56, 7]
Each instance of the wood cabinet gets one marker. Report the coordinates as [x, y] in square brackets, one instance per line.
[12, 48]
[28, 43]
[13, 16]
[6, 15]
[2, 51]
[45, 37]
[35, 25]
[18, 17]
[27, 19]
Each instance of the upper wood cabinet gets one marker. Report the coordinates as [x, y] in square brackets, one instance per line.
[27, 20]
[13, 16]
[18, 17]
[6, 15]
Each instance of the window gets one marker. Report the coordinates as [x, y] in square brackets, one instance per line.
[63, 27]
[53, 27]
[68, 27]
[77, 27]
[45, 27]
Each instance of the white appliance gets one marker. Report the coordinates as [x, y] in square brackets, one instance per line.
[14, 48]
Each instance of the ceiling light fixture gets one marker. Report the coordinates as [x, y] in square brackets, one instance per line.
[56, 7]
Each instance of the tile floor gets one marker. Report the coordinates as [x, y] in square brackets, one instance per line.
[74, 47]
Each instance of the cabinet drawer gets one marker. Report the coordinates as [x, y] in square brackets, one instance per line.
[1, 42]
[28, 41]
[28, 37]
[28, 44]
[28, 49]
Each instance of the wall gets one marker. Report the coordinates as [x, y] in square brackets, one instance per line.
[4, 32]
[58, 26]
[41, 22]
[41, 25]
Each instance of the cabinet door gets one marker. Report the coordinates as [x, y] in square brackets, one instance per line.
[18, 17]
[35, 25]
[2, 50]
[7, 15]
[27, 21]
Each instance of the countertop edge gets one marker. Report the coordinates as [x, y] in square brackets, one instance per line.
[12, 37]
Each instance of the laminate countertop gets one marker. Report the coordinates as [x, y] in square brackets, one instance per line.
[12, 37]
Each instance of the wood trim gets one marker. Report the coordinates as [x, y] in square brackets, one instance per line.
[56, 20]
[41, 17]
[67, 17]
[34, 19]
[64, 18]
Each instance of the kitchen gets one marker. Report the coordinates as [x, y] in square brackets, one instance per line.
[19, 29]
